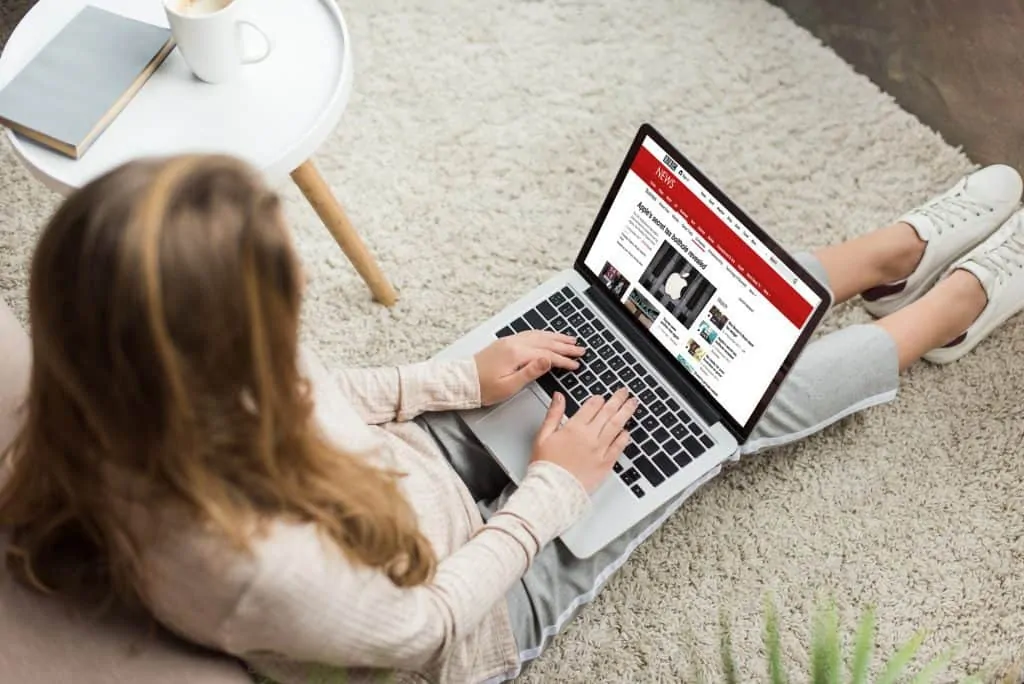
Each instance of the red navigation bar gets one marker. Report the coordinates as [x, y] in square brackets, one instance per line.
[722, 238]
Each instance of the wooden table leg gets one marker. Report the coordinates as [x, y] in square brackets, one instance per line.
[327, 207]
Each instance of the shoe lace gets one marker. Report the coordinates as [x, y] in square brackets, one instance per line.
[1007, 255]
[946, 212]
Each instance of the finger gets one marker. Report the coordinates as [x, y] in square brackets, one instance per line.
[524, 356]
[544, 337]
[528, 372]
[559, 361]
[610, 408]
[590, 408]
[553, 418]
[566, 349]
[618, 421]
[617, 446]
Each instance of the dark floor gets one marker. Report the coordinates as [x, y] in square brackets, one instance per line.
[954, 64]
[11, 12]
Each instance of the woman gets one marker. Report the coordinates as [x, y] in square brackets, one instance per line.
[178, 449]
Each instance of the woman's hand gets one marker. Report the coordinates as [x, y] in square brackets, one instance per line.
[513, 362]
[589, 443]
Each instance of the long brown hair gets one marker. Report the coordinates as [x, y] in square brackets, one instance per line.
[165, 300]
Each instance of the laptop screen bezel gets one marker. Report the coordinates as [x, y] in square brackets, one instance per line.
[603, 297]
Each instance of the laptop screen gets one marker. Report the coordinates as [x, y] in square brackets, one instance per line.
[715, 296]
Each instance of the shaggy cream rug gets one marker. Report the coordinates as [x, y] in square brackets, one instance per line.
[478, 145]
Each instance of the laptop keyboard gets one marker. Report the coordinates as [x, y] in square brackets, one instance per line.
[663, 436]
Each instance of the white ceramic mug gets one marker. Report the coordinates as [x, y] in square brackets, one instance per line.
[209, 34]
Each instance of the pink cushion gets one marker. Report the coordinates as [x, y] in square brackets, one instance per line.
[43, 640]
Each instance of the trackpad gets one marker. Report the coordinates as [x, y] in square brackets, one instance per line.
[509, 430]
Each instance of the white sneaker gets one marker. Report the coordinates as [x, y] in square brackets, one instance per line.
[998, 264]
[951, 225]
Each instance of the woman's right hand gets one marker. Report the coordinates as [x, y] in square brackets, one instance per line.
[589, 443]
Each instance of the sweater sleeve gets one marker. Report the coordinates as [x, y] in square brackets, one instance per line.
[310, 604]
[383, 395]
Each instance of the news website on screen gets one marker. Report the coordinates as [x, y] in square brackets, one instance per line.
[708, 290]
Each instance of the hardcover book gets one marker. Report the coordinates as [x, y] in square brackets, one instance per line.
[82, 79]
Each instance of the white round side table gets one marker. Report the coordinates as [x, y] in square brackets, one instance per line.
[274, 116]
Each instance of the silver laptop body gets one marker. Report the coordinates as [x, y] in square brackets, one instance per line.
[670, 303]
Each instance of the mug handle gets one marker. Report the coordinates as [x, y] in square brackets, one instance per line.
[268, 43]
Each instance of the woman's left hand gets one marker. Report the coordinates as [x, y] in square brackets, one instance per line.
[513, 362]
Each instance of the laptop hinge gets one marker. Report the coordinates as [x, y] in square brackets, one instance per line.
[682, 382]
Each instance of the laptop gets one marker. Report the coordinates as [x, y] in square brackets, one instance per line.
[679, 296]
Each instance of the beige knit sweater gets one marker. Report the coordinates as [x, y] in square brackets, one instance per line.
[299, 612]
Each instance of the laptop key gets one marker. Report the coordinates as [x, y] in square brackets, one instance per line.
[598, 366]
[692, 446]
[579, 393]
[636, 385]
[616, 362]
[671, 447]
[608, 377]
[557, 298]
[648, 470]
[665, 464]
[585, 330]
[617, 468]
[546, 310]
[660, 435]
[598, 389]
[682, 459]
[647, 396]
[641, 412]
[626, 374]
[658, 409]
[618, 346]
[638, 491]
[630, 476]
[559, 324]
[638, 435]
[566, 308]
[569, 381]
[650, 447]
[535, 320]
[662, 394]
[630, 359]
[576, 320]
[588, 378]
[567, 292]
[505, 332]
[706, 441]
[520, 325]
[608, 335]
[650, 423]
[669, 419]
[680, 431]
[589, 314]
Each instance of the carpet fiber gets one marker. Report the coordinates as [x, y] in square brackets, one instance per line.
[478, 145]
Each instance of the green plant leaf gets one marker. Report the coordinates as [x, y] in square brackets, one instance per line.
[725, 645]
[826, 649]
[773, 644]
[862, 647]
[930, 671]
[899, 662]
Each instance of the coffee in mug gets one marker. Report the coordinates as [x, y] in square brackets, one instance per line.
[209, 34]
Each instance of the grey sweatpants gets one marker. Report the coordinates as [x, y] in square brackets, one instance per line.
[837, 375]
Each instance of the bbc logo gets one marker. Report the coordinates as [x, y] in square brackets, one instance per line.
[670, 163]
